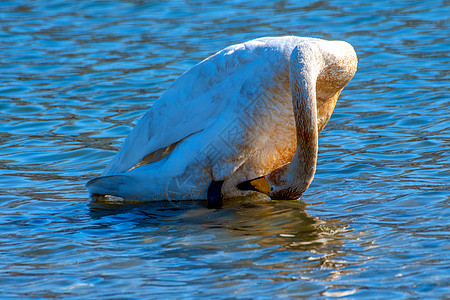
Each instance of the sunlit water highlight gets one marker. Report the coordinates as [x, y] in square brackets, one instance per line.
[75, 78]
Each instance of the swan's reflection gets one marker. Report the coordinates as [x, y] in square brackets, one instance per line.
[279, 236]
[269, 223]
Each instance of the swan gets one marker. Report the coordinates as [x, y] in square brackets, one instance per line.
[244, 119]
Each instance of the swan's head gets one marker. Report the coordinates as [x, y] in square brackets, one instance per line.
[279, 187]
[274, 191]
[288, 193]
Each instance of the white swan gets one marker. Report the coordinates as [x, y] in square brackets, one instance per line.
[247, 117]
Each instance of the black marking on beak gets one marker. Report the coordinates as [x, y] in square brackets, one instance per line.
[259, 184]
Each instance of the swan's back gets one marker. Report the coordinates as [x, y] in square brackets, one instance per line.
[236, 78]
[195, 100]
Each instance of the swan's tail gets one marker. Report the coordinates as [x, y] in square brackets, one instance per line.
[113, 185]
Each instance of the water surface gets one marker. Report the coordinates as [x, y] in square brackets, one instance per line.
[75, 77]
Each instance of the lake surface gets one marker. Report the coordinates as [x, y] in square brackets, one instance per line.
[76, 76]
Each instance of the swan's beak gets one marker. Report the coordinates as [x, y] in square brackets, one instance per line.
[259, 184]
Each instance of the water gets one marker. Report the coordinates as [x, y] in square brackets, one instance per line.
[75, 77]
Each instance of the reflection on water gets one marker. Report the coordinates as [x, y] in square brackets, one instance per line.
[77, 75]
[284, 224]
[242, 228]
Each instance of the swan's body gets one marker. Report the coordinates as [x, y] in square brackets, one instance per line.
[230, 118]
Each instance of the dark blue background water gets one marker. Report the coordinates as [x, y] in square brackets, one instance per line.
[76, 75]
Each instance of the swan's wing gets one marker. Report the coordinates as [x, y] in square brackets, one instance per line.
[190, 105]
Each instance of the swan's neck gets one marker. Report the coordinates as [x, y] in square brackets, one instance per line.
[293, 179]
[303, 165]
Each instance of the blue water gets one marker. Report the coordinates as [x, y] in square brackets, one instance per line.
[76, 75]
